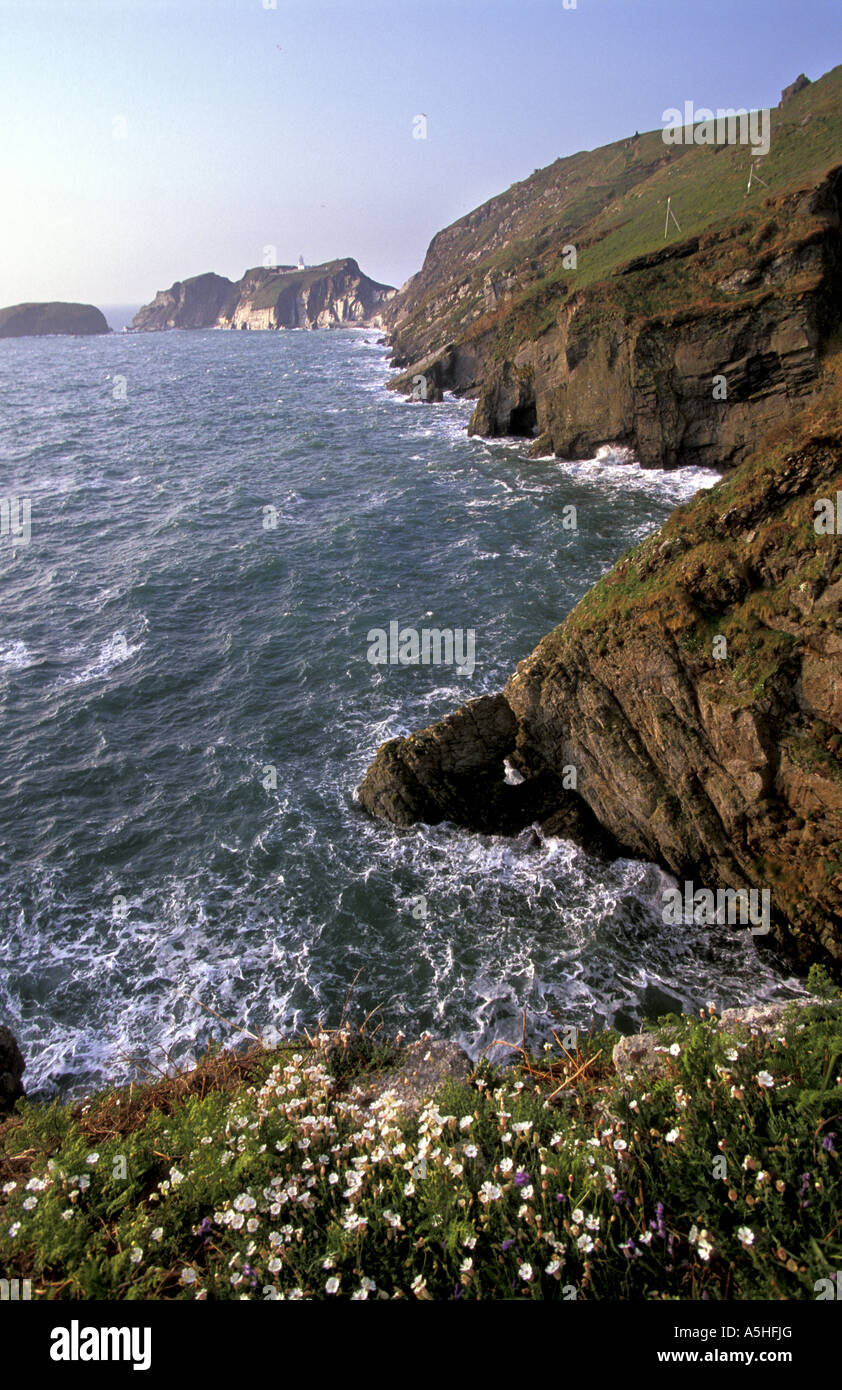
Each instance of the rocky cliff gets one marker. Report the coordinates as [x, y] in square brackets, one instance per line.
[334, 295]
[195, 303]
[695, 693]
[564, 307]
[34, 320]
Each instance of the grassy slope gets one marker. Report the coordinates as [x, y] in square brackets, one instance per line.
[252, 1178]
[611, 202]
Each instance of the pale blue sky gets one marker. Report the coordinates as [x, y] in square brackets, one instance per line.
[248, 127]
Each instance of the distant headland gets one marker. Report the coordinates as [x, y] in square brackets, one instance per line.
[36, 320]
[335, 294]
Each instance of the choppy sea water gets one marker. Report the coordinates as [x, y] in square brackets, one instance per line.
[187, 708]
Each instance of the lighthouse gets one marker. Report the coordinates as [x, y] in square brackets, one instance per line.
[301, 265]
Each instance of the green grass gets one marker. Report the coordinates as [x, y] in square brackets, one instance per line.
[610, 203]
[716, 1181]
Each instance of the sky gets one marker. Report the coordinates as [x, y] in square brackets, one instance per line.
[144, 141]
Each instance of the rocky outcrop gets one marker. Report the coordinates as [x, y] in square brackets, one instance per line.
[563, 307]
[37, 320]
[641, 1055]
[195, 303]
[11, 1070]
[334, 295]
[694, 691]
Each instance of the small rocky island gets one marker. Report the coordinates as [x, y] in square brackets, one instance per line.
[335, 294]
[36, 320]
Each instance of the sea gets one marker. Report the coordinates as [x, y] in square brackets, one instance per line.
[217, 522]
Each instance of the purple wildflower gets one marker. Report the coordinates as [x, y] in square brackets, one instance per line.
[507, 1245]
[522, 1177]
[658, 1224]
[827, 1142]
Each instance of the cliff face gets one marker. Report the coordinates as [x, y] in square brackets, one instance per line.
[194, 303]
[718, 759]
[564, 307]
[694, 694]
[33, 320]
[334, 295]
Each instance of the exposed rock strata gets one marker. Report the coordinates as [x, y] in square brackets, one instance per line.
[334, 295]
[725, 771]
[622, 343]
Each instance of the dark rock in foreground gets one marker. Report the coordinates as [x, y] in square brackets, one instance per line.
[695, 691]
[35, 320]
[11, 1070]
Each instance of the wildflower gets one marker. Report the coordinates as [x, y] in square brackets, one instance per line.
[671, 1136]
[522, 1126]
[745, 1236]
[332, 1284]
[553, 1267]
[506, 1165]
[92, 1159]
[827, 1143]
[658, 1224]
[273, 1265]
[158, 1233]
[418, 1285]
[585, 1244]
[188, 1275]
[675, 1050]
[525, 1272]
[14, 1228]
[67, 1214]
[466, 1266]
[521, 1177]
[489, 1192]
[466, 1122]
[9, 1187]
[30, 1203]
[620, 1145]
[135, 1254]
[471, 1150]
[765, 1079]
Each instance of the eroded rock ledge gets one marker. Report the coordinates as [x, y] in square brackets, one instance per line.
[724, 769]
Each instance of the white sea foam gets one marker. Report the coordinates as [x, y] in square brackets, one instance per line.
[16, 655]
